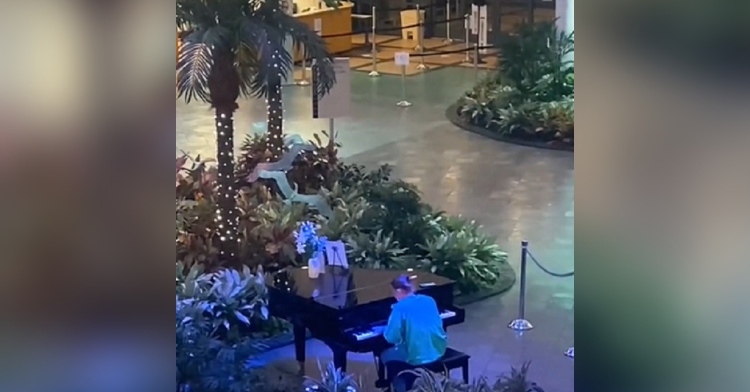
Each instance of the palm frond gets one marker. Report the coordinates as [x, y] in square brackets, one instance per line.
[314, 48]
[196, 60]
[261, 57]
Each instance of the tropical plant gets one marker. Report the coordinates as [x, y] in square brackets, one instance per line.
[517, 381]
[462, 253]
[204, 362]
[347, 212]
[357, 177]
[196, 235]
[537, 53]
[427, 381]
[230, 48]
[376, 251]
[310, 171]
[332, 380]
[197, 181]
[233, 302]
[268, 232]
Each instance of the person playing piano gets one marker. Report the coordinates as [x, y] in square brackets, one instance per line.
[416, 331]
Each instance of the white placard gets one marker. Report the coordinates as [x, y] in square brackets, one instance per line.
[318, 26]
[474, 19]
[336, 254]
[401, 58]
[336, 103]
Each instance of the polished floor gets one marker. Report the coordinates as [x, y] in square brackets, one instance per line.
[515, 192]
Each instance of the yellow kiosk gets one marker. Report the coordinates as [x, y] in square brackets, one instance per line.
[328, 21]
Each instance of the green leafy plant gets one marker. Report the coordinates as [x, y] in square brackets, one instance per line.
[376, 251]
[461, 252]
[517, 381]
[348, 210]
[204, 362]
[397, 210]
[557, 118]
[310, 171]
[234, 302]
[537, 53]
[268, 232]
[197, 239]
[353, 177]
[332, 380]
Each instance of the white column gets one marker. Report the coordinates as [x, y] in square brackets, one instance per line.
[564, 12]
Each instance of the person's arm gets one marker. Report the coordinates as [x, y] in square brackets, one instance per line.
[392, 332]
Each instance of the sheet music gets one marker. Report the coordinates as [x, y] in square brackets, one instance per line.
[336, 254]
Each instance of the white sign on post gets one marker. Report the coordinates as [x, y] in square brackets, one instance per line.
[474, 19]
[483, 31]
[336, 103]
[336, 254]
[401, 58]
[318, 26]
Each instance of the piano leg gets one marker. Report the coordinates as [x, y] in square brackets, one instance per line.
[300, 337]
[339, 358]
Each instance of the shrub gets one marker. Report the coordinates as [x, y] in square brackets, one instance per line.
[459, 251]
[397, 210]
[311, 170]
[267, 231]
[517, 381]
[377, 251]
[204, 362]
[534, 60]
[232, 302]
[531, 96]
[332, 380]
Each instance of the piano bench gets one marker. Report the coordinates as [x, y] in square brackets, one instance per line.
[452, 359]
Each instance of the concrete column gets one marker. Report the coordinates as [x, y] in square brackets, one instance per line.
[564, 12]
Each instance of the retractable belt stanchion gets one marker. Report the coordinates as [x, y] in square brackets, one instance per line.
[521, 324]
[374, 51]
[448, 24]
[419, 23]
[303, 81]
[421, 66]
[467, 22]
[476, 63]
[403, 102]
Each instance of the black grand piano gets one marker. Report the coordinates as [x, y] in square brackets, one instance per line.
[348, 308]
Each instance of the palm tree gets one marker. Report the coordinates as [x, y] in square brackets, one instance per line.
[233, 48]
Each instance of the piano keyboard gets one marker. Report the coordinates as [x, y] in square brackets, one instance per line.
[364, 335]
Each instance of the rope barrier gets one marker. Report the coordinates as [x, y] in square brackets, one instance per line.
[391, 29]
[520, 323]
[557, 275]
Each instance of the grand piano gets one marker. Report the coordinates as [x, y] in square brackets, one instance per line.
[347, 309]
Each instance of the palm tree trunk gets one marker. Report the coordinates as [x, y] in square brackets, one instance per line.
[227, 214]
[275, 120]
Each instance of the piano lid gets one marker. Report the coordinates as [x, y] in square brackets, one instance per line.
[341, 289]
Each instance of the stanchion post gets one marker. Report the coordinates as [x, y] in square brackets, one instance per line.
[403, 103]
[467, 22]
[421, 66]
[448, 23]
[476, 72]
[521, 324]
[419, 29]
[304, 81]
[374, 51]
[332, 133]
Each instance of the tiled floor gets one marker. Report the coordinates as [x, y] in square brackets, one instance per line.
[515, 192]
